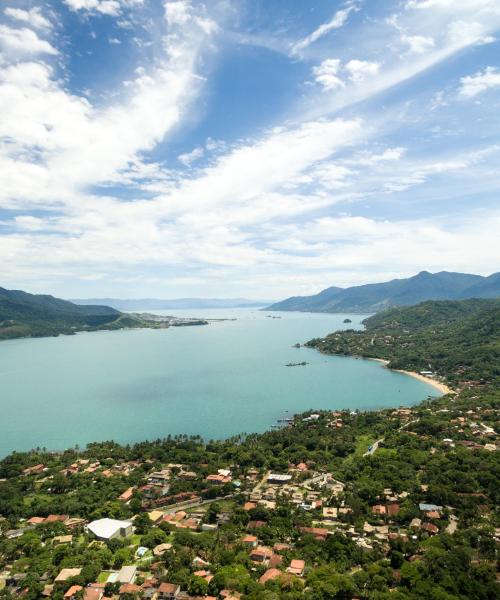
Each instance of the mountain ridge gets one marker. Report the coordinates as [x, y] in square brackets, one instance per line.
[374, 297]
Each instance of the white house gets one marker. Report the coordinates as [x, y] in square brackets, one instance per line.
[108, 529]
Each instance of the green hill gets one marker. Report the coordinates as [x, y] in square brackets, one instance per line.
[457, 340]
[30, 315]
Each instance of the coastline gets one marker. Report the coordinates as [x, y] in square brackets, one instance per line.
[442, 387]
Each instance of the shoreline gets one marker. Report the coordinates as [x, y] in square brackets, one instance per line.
[442, 387]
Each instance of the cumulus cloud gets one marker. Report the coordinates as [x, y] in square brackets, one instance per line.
[472, 85]
[359, 70]
[32, 17]
[23, 42]
[326, 74]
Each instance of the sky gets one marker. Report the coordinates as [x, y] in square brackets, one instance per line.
[246, 148]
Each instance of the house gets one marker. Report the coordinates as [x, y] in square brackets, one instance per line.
[278, 478]
[416, 523]
[155, 516]
[56, 519]
[126, 574]
[250, 540]
[392, 508]
[430, 528]
[379, 509]
[130, 588]
[296, 567]
[168, 591]
[330, 513]
[62, 539]
[65, 574]
[218, 479]
[72, 591]
[109, 529]
[35, 470]
[127, 495]
[249, 505]
[160, 477]
[427, 507]
[261, 554]
[93, 593]
[318, 532]
[269, 575]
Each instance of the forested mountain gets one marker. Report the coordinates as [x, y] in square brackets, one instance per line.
[374, 297]
[30, 315]
[459, 340]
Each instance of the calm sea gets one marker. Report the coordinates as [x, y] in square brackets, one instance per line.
[216, 380]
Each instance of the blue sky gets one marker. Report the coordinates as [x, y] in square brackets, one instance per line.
[258, 148]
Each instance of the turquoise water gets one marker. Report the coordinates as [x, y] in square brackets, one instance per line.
[217, 380]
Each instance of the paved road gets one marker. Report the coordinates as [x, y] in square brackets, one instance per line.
[373, 447]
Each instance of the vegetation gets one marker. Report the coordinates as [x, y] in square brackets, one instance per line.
[29, 315]
[456, 340]
[396, 504]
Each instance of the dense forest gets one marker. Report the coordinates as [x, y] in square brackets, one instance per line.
[458, 340]
[38, 315]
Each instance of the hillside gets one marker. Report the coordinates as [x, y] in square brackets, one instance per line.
[457, 340]
[374, 297]
[33, 315]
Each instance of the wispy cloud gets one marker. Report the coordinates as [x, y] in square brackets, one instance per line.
[336, 22]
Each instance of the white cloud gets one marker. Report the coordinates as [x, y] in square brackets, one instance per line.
[23, 42]
[188, 158]
[472, 85]
[336, 22]
[111, 8]
[469, 33]
[326, 74]
[62, 143]
[32, 17]
[359, 70]
[418, 44]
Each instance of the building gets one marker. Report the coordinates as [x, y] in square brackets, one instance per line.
[168, 591]
[109, 529]
[126, 574]
[296, 567]
[278, 478]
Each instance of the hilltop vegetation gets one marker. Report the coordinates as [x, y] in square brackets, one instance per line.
[30, 315]
[457, 340]
[375, 297]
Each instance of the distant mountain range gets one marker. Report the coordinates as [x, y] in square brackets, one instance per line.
[178, 303]
[375, 297]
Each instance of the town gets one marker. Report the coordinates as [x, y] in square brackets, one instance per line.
[360, 497]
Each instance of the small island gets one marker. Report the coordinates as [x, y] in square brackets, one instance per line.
[347, 321]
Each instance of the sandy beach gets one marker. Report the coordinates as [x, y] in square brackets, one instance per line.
[444, 389]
